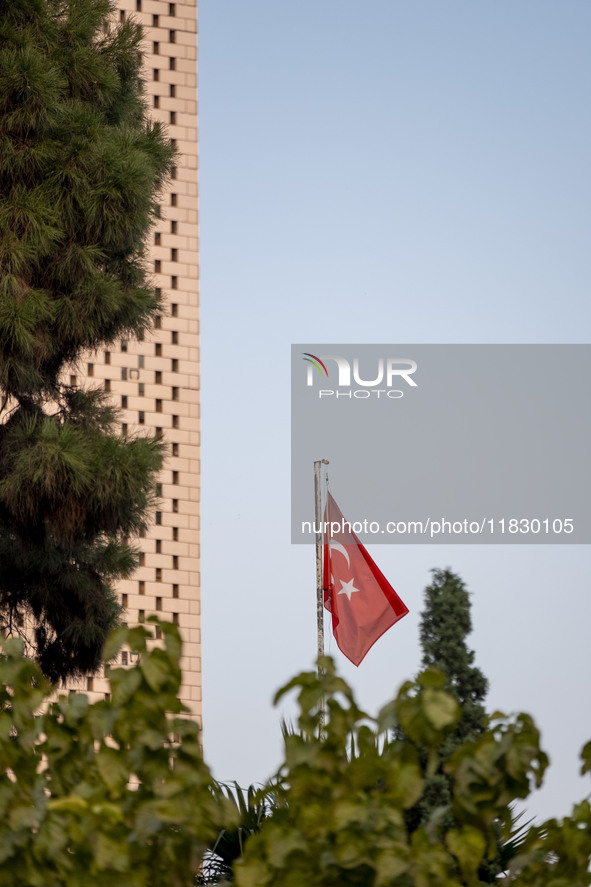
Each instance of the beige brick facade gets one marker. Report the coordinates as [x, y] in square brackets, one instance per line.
[156, 382]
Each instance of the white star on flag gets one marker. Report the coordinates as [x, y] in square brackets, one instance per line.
[348, 588]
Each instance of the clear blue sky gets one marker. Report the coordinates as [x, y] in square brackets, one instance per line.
[382, 172]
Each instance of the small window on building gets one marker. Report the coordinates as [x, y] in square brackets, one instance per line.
[158, 574]
[175, 618]
[175, 421]
[175, 506]
[159, 490]
[158, 349]
[156, 74]
[141, 417]
[157, 238]
[90, 369]
[175, 534]
[155, 48]
[158, 518]
[158, 405]
[174, 281]
[121, 15]
[158, 546]
[171, 9]
[174, 337]
[156, 101]
[90, 684]
[172, 64]
[157, 323]
[174, 227]
[73, 382]
[175, 477]
[141, 587]
[138, 5]
[159, 604]
[174, 364]
[124, 401]
[124, 374]
[124, 428]
[175, 591]
[140, 389]
[107, 384]
[158, 377]
[175, 449]
[157, 266]
[172, 36]
[173, 118]
[173, 172]
[107, 697]
[107, 357]
[155, 21]
[175, 393]
[124, 600]
[158, 633]
[124, 344]
[141, 616]
[124, 657]
[142, 559]
[175, 562]
[173, 199]
[140, 361]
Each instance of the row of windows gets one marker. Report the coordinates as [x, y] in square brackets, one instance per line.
[155, 18]
[142, 590]
[141, 419]
[142, 563]
[132, 373]
[124, 600]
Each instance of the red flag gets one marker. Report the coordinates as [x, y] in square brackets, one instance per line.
[362, 602]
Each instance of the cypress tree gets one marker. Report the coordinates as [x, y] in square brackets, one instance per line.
[81, 167]
[445, 625]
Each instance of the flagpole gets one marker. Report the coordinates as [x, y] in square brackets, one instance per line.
[319, 582]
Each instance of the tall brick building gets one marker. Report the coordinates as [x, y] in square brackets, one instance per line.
[156, 382]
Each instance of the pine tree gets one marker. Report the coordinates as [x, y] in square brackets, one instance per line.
[81, 167]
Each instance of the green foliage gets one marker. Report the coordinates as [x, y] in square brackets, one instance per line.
[251, 809]
[81, 166]
[101, 794]
[345, 790]
[116, 793]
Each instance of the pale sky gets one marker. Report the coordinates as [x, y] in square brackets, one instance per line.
[388, 172]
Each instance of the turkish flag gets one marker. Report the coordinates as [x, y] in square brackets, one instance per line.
[362, 602]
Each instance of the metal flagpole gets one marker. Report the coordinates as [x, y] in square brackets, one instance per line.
[319, 582]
